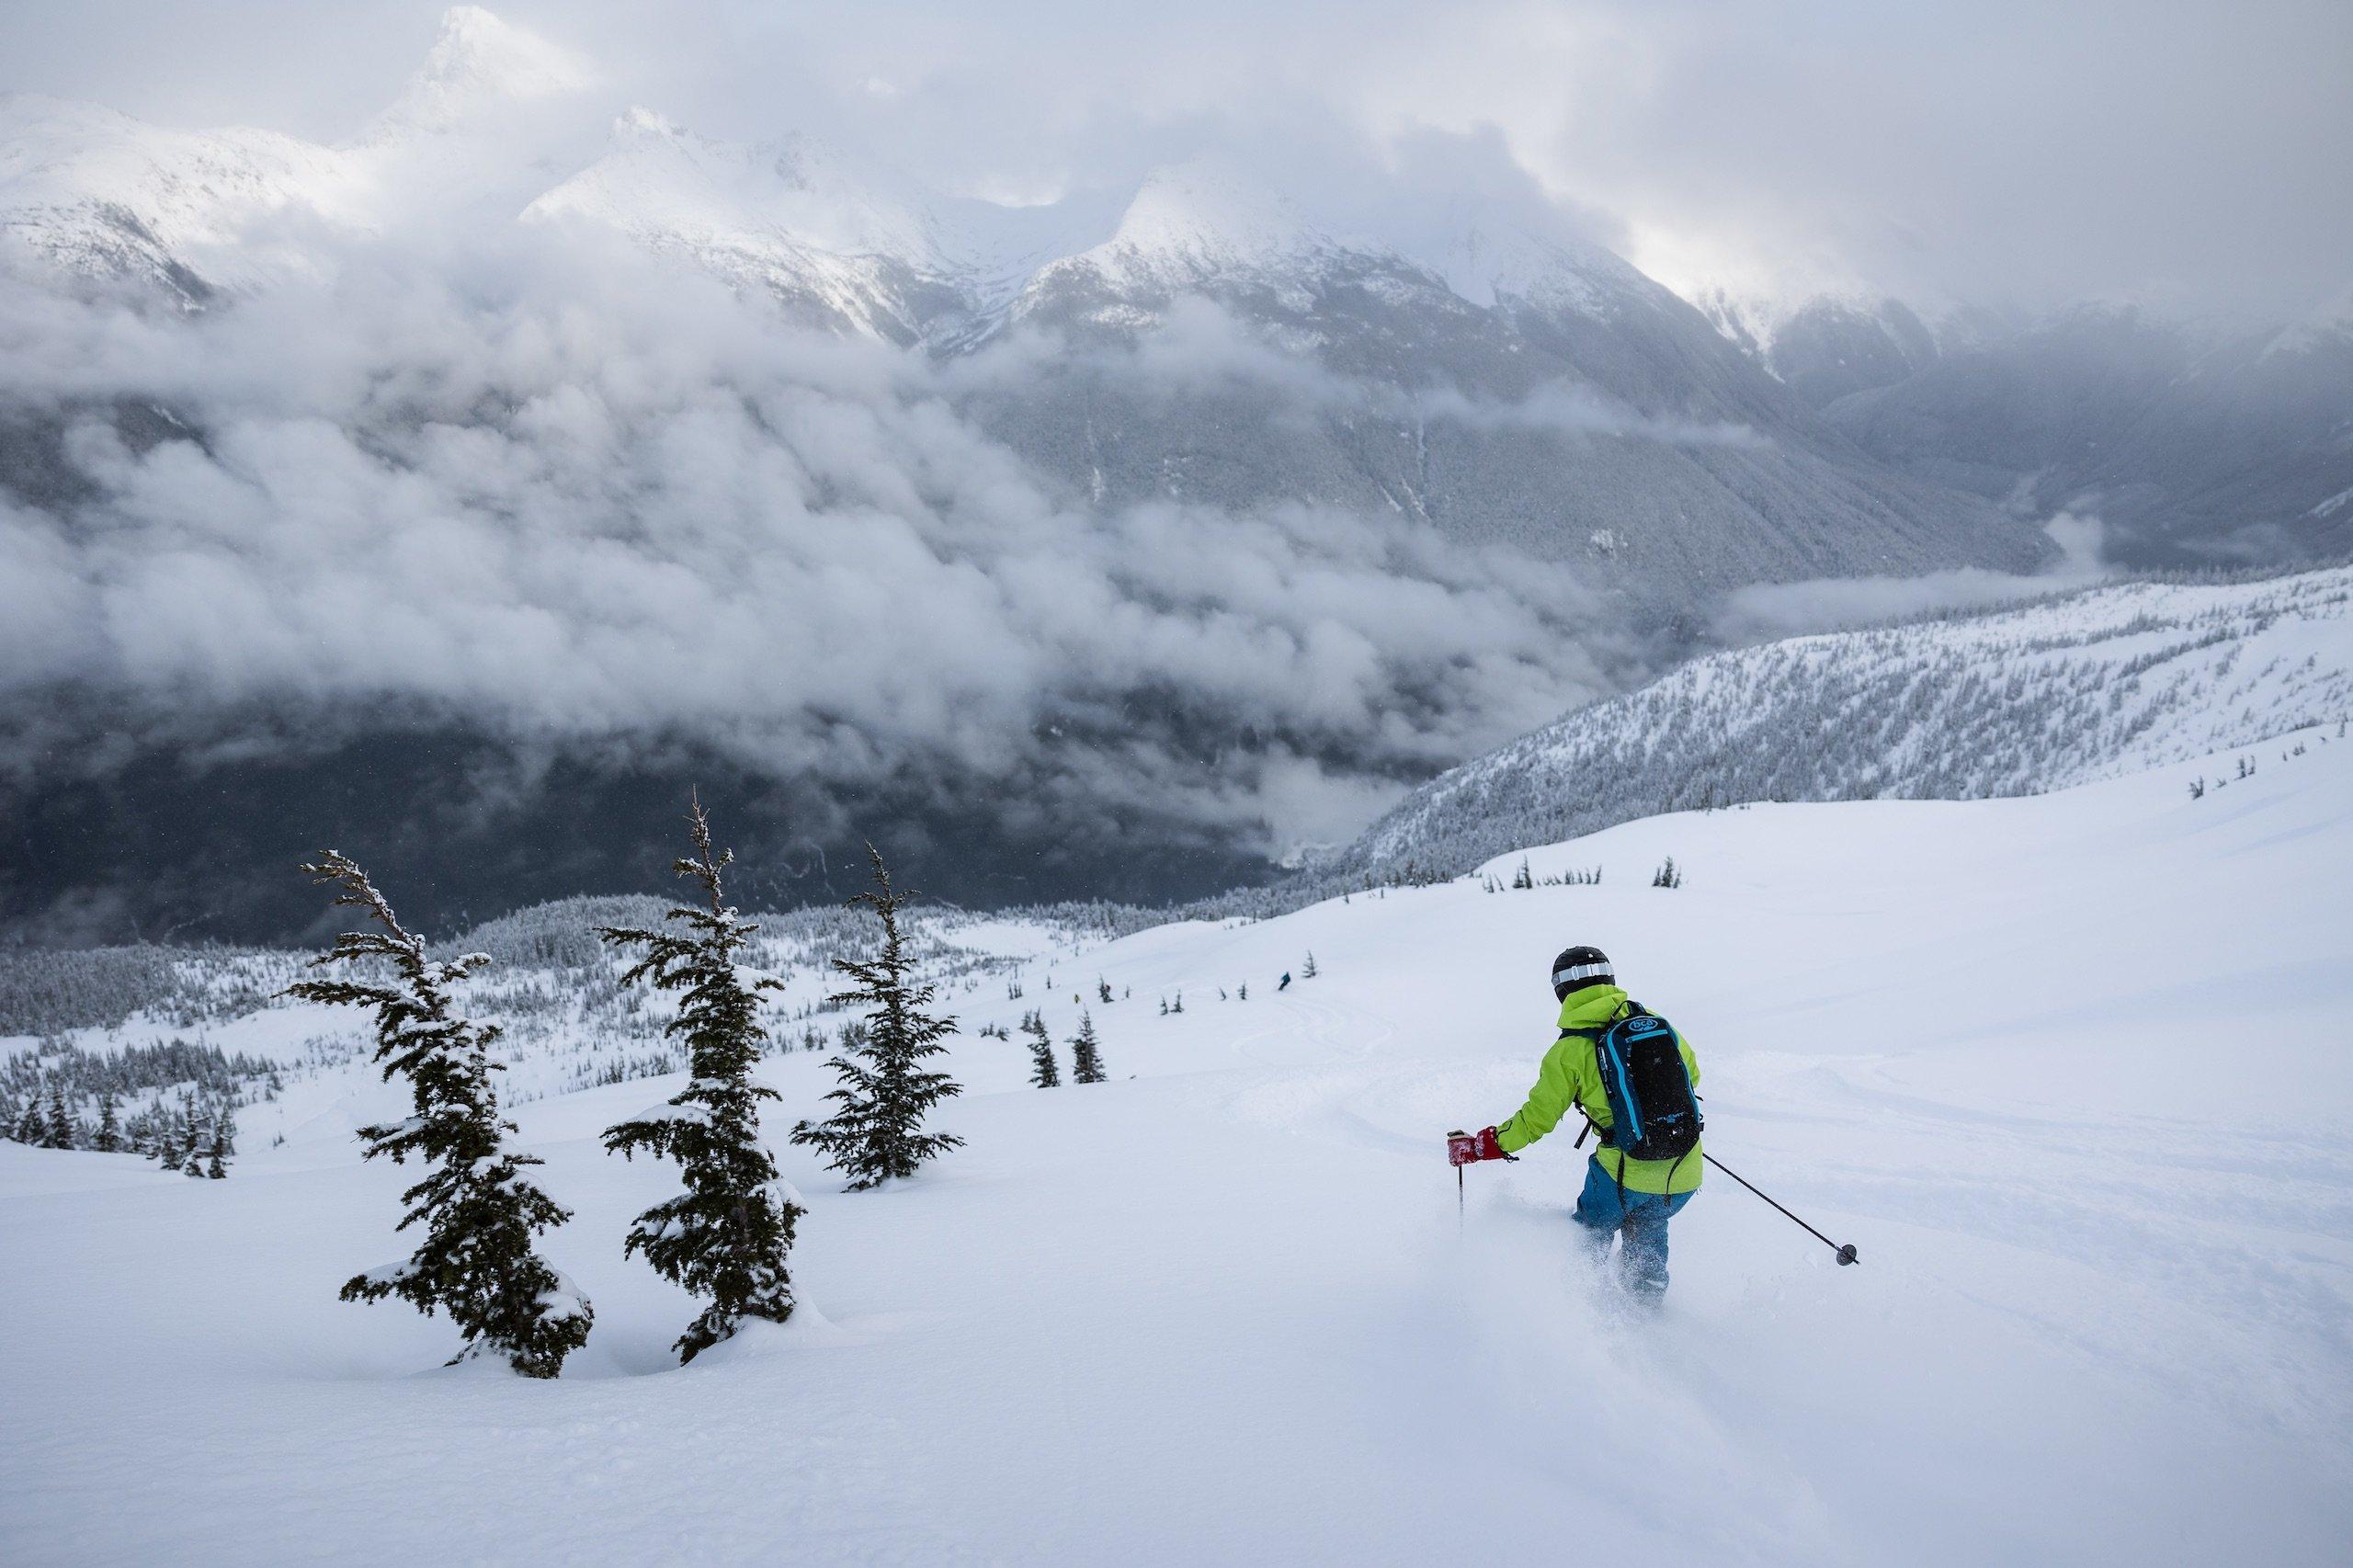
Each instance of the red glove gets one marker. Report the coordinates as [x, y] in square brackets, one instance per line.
[1470, 1148]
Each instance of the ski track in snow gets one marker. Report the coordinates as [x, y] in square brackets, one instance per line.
[2068, 1070]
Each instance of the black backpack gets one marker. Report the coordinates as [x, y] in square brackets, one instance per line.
[1654, 1113]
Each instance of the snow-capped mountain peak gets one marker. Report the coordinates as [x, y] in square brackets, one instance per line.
[477, 63]
[1206, 214]
[2331, 323]
[1486, 256]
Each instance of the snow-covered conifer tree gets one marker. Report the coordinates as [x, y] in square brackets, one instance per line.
[199, 1132]
[1086, 1053]
[725, 1237]
[885, 1091]
[59, 1133]
[1307, 970]
[1043, 1072]
[479, 1212]
[109, 1139]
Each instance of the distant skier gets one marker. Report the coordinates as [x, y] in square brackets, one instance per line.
[1635, 1079]
[1285, 982]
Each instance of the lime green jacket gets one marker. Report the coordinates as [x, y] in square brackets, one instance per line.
[1571, 1076]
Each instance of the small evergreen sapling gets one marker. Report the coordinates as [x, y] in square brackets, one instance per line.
[1086, 1053]
[725, 1237]
[885, 1092]
[479, 1212]
[1308, 971]
[1043, 1072]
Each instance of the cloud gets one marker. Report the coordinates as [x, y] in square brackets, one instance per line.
[1197, 346]
[582, 500]
[1766, 610]
[2002, 151]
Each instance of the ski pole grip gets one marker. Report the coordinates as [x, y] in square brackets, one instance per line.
[1461, 1148]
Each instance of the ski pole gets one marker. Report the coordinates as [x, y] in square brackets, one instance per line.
[1845, 1254]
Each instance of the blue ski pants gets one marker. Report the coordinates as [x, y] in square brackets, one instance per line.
[1605, 1211]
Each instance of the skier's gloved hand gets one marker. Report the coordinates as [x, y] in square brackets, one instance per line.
[1470, 1148]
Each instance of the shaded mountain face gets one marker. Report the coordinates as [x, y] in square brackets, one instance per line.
[173, 844]
[2195, 444]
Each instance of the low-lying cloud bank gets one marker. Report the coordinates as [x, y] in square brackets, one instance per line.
[584, 501]
[1766, 610]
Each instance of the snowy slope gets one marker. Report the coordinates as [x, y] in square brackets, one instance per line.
[2089, 685]
[1221, 1309]
[95, 193]
[89, 193]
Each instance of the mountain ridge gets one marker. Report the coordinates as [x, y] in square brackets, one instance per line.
[2025, 698]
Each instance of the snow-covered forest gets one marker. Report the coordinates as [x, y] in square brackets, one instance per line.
[2091, 684]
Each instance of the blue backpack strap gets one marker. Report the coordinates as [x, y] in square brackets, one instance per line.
[1592, 1128]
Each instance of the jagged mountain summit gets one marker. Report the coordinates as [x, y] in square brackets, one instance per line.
[840, 241]
[1489, 372]
[479, 66]
[1905, 433]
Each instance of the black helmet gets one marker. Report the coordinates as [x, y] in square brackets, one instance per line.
[1579, 968]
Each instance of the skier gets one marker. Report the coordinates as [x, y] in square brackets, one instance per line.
[1635, 1079]
[1286, 985]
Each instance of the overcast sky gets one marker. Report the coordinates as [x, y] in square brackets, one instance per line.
[2000, 150]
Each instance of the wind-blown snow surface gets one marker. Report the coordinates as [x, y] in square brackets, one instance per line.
[2068, 1070]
